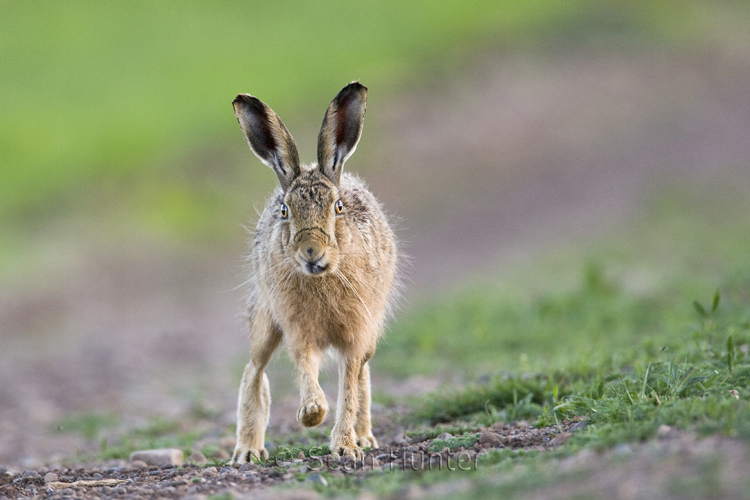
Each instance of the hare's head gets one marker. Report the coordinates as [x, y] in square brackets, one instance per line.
[311, 212]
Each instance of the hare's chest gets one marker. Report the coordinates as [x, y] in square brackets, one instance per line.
[328, 315]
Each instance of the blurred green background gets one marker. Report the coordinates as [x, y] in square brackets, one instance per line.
[128, 103]
[124, 106]
[567, 177]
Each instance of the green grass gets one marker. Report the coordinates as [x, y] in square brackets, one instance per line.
[292, 452]
[627, 294]
[685, 383]
[103, 430]
[109, 96]
[89, 425]
[455, 442]
[127, 104]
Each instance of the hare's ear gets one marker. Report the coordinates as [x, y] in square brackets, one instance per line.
[268, 137]
[341, 129]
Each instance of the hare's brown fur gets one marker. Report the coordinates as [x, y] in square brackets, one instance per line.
[322, 272]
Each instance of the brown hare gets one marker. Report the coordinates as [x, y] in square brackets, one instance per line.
[322, 271]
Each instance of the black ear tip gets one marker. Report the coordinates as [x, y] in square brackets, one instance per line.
[249, 105]
[354, 88]
[353, 92]
[247, 99]
[355, 85]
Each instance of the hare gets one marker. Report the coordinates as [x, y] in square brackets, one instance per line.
[322, 271]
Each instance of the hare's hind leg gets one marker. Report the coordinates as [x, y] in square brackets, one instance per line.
[363, 426]
[254, 404]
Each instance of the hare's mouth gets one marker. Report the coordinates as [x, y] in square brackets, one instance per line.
[315, 268]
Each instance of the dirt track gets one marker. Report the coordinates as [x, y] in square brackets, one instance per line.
[169, 481]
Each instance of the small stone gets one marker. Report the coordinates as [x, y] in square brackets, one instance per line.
[136, 464]
[417, 439]
[29, 473]
[399, 438]
[209, 472]
[196, 458]
[159, 457]
[304, 469]
[579, 426]
[221, 454]
[561, 439]
[317, 478]
[371, 461]
[248, 466]
[622, 449]
[50, 477]
[663, 430]
[444, 436]
[490, 438]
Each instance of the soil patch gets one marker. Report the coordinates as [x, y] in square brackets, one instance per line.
[444, 452]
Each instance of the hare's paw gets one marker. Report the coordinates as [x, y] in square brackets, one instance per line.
[345, 446]
[350, 452]
[312, 411]
[243, 455]
[367, 441]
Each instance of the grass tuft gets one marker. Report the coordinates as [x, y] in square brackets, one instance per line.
[454, 443]
[688, 385]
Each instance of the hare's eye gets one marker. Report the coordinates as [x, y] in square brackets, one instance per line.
[284, 211]
[339, 207]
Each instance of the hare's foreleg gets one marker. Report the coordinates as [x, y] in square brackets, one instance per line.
[313, 406]
[363, 426]
[343, 436]
[254, 403]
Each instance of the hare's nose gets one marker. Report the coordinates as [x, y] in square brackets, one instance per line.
[311, 252]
